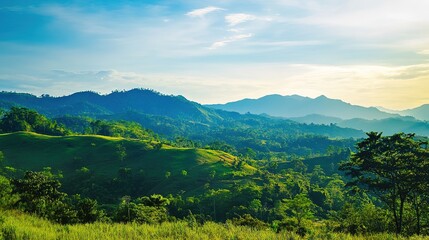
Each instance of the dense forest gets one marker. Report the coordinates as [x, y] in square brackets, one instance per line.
[245, 175]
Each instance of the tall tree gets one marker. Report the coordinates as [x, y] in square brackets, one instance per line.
[391, 167]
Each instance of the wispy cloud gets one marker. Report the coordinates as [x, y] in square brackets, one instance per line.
[234, 38]
[364, 51]
[201, 12]
[237, 18]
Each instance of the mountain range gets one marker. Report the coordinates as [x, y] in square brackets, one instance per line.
[175, 115]
[323, 110]
[93, 104]
[297, 106]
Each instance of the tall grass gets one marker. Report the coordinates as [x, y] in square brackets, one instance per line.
[16, 225]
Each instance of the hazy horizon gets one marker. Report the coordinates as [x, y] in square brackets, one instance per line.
[363, 52]
[388, 110]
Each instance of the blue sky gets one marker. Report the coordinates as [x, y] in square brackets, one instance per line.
[372, 53]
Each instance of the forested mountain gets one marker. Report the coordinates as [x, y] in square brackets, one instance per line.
[93, 104]
[170, 116]
[298, 106]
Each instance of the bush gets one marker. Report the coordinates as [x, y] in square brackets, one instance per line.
[248, 220]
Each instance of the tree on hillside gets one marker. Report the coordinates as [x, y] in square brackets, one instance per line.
[7, 198]
[23, 119]
[143, 210]
[300, 208]
[36, 189]
[392, 168]
[87, 209]
[39, 193]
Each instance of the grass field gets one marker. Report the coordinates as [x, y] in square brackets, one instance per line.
[16, 225]
[104, 156]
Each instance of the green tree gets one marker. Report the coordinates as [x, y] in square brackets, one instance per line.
[154, 200]
[143, 210]
[87, 209]
[23, 119]
[121, 152]
[300, 207]
[391, 167]
[39, 193]
[7, 198]
[255, 206]
[36, 190]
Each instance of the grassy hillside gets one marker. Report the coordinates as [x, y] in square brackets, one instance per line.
[108, 160]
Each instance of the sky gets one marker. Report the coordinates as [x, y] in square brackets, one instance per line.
[365, 52]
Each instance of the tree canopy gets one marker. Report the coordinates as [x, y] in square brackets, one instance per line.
[392, 168]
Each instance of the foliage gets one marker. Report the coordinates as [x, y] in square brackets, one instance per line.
[143, 210]
[300, 208]
[87, 210]
[7, 198]
[393, 168]
[279, 179]
[248, 220]
[22, 119]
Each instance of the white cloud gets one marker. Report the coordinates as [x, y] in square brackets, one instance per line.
[235, 38]
[368, 85]
[202, 11]
[424, 52]
[237, 18]
[368, 19]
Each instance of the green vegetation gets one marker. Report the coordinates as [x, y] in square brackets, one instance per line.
[22, 119]
[102, 164]
[16, 225]
[396, 170]
[135, 184]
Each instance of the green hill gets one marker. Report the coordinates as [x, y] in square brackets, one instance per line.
[93, 165]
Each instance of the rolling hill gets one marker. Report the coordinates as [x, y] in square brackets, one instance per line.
[96, 162]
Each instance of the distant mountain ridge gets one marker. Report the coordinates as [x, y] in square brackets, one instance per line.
[388, 126]
[297, 106]
[323, 110]
[167, 115]
[92, 104]
[421, 112]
